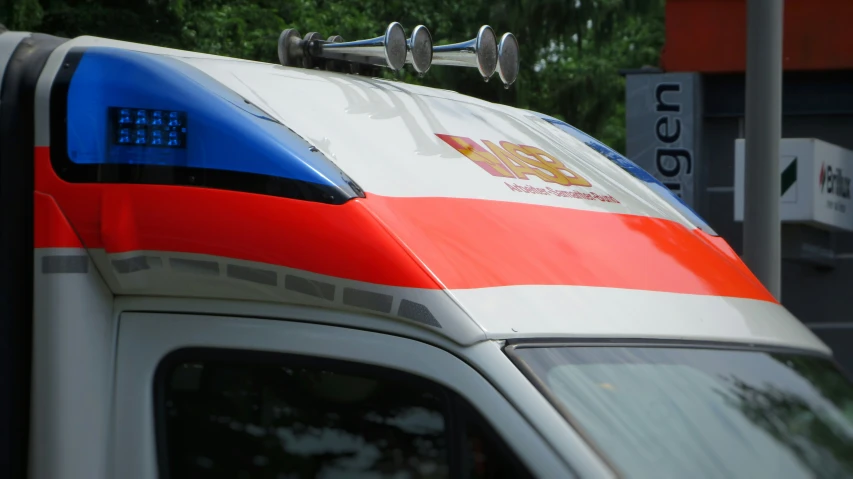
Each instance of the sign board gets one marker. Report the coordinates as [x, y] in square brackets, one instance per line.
[662, 131]
[815, 178]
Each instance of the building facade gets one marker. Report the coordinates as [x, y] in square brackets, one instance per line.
[685, 118]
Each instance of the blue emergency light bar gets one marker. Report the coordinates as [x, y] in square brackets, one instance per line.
[120, 116]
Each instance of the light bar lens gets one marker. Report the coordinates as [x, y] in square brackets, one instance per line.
[126, 118]
[149, 128]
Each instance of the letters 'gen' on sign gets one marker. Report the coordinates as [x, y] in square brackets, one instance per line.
[661, 136]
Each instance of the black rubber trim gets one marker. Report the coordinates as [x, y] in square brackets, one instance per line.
[17, 185]
[656, 343]
[521, 343]
[172, 175]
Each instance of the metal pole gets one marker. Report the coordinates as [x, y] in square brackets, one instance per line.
[762, 230]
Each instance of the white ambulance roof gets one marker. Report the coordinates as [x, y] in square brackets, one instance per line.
[515, 254]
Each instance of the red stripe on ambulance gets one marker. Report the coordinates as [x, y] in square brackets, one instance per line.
[431, 243]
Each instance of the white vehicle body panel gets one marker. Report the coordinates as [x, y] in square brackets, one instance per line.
[146, 338]
[357, 121]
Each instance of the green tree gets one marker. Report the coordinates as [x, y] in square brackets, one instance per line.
[571, 50]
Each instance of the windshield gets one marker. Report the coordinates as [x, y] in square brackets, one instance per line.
[680, 412]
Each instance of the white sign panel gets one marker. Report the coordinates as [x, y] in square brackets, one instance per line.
[815, 178]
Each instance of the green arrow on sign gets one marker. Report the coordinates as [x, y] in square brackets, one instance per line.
[789, 176]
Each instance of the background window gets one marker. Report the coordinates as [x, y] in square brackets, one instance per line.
[241, 414]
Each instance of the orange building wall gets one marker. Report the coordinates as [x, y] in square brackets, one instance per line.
[709, 36]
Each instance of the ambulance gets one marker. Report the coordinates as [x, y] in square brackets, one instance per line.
[212, 267]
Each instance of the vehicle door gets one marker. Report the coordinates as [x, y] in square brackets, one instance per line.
[211, 396]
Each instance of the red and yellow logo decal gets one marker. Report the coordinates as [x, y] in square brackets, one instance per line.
[515, 161]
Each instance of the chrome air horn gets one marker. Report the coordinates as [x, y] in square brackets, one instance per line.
[393, 50]
[419, 49]
[389, 50]
[508, 61]
[480, 52]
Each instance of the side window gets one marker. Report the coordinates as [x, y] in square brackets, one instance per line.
[485, 456]
[242, 414]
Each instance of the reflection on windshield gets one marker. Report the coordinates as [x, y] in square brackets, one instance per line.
[674, 412]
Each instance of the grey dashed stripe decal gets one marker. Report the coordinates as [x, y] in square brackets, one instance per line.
[255, 275]
[407, 309]
[195, 266]
[368, 300]
[417, 312]
[137, 263]
[318, 289]
[65, 264]
[131, 265]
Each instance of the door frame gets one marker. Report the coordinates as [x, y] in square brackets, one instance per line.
[22, 59]
[146, 338]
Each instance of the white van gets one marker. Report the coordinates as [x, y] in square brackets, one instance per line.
[212, 267]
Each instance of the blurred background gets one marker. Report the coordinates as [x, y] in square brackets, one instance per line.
[571, 50]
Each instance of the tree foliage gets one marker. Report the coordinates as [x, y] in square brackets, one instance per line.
[571, 50]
